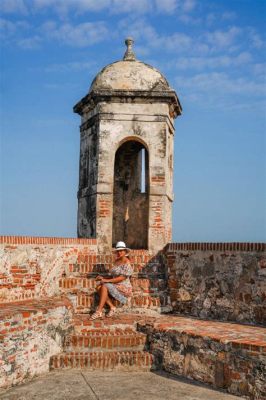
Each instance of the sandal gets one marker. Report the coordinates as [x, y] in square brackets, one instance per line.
[96, 315]
[111, 312]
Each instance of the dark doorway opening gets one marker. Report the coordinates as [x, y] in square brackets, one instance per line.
[131, 195]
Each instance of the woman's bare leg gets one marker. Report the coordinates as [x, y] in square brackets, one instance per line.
[108, 300]
[104, 298]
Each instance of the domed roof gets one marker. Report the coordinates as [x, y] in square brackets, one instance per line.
[129, 80]
[129, 74]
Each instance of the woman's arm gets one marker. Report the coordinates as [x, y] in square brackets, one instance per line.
[113, 280]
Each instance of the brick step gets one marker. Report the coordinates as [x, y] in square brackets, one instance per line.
[85, 268]
[110, 340]
[153, 276]
[136, 257]
[107, 361]
[103, 267]
[82, 324]
[85, 302]
[77, 283]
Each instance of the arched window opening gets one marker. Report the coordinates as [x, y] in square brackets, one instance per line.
[130, 203]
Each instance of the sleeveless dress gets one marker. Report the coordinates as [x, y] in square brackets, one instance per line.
[121, 290]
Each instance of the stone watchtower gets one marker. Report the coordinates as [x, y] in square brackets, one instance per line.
[126, 156]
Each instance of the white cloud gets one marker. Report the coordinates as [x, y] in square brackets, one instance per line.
[13, 6]
[221, 83]
[63, 7]
[188, 5]
[220, 62]
[141, 29]
[181, 8]
[80, 35]
[228, 16]
[30, 43]
[212, 18]
[129, 6]
[222, 91]
[255, 39]
[71, 66]
[175, 42]
[220, 38]
[188, 19]
[170, 6]
[138, 29]
[260, 69]
[142, 51]
[166, 6]
[59, 86]
[9, 29]
[231, 41]
[48, 26]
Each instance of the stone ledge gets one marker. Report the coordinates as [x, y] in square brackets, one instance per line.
[225, 355]
[224, 332]
[33, 306]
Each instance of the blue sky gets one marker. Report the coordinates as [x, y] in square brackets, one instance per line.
[213, 55]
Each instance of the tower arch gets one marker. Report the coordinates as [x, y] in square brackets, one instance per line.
[131, 195]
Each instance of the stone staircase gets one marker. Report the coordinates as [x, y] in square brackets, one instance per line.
[111, 343]
[105, 344]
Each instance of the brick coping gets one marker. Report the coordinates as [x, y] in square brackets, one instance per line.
[239, 335]
[216, 246]
[32, 306]
[185, 246]
[46, 240]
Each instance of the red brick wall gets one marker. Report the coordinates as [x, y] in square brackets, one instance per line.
[30, 267]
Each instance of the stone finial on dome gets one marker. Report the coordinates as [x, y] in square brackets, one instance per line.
[129, 54]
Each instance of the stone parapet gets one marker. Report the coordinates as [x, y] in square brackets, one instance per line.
[224, 281]
[31, 267]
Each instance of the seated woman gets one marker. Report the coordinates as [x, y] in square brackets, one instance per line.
[118, 287]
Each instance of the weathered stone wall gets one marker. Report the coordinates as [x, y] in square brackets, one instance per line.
[212, 355]
[225, 281]
[31, 267]
[29, 336]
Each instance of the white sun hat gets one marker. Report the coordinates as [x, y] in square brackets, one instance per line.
[121, 246]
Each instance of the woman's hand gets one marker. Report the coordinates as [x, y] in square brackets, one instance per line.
[99, 278]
